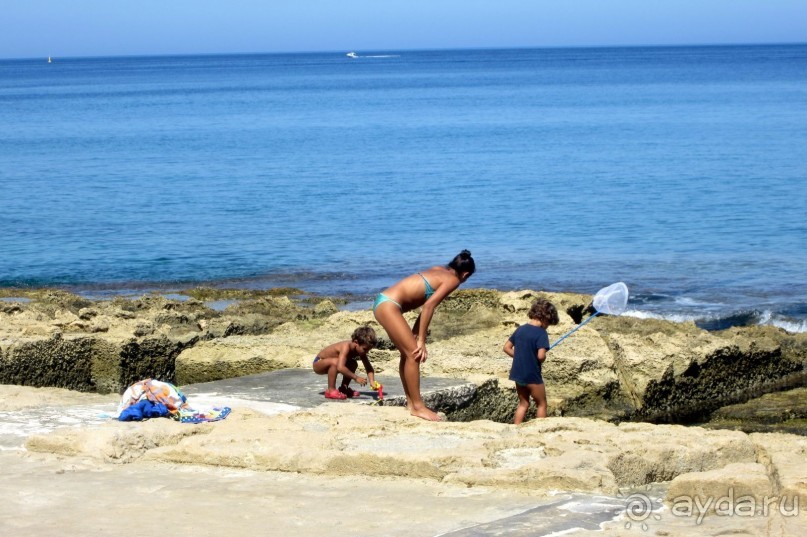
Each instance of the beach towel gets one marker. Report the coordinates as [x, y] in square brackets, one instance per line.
[144, 409]
[199, 415]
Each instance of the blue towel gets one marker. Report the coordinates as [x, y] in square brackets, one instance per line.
[143, 409]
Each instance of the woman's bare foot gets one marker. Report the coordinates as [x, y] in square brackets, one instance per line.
[425, 413]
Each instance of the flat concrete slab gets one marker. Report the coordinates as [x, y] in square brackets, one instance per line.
[305, 389]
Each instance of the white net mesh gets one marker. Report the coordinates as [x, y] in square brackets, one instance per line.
[612, 300]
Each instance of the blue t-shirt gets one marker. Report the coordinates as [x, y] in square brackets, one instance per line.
[527, 339]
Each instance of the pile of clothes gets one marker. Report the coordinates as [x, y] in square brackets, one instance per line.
[156, 399]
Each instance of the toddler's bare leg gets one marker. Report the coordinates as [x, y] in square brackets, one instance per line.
[523, 403]
[327, 366]
[538, 392]
[352, 366]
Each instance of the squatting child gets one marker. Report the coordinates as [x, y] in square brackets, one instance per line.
[527, 346]
[341, 358]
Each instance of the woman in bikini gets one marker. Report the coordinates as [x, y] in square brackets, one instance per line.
[423, 290]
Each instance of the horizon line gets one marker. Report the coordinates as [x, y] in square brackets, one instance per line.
[425, 49]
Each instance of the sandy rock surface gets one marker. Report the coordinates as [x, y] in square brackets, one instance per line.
[298, 471]
[49, 496]
[20, 397]
[569, 454]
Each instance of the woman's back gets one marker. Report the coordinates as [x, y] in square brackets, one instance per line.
[414, 290]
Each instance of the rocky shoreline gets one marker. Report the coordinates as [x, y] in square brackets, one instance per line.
[617, 391]
[617, 368]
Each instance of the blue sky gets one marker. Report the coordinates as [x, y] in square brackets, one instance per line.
[36, 28]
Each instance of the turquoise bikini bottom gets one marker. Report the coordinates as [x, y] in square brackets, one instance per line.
[381, 298]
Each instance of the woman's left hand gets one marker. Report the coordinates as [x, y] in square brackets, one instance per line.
[420, 352]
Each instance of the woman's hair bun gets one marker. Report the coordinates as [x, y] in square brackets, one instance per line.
[463, 262]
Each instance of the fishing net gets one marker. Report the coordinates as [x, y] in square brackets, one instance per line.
[612, 300]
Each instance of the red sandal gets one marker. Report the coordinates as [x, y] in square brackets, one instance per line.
[334, 394]
[348, 391]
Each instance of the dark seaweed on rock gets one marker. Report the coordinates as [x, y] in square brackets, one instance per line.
[725, 377]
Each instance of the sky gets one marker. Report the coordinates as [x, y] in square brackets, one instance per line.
[71, 28]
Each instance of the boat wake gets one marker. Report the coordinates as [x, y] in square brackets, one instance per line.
[354, 55]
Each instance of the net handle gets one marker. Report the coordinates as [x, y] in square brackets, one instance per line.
[573, 330]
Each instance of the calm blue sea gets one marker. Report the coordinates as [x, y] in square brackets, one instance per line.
[681, 171]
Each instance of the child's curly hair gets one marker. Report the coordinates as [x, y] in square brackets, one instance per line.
[543, 310]
[364, 335]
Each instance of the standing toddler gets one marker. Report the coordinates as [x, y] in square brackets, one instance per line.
[527, 346]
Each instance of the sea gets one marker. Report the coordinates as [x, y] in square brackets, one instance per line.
[681, 171]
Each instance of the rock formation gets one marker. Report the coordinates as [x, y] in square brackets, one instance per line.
[615, 368]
